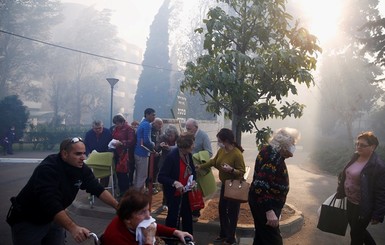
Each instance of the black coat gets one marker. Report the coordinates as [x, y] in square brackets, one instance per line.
[52, 187]
[372, 203]
[170, 172]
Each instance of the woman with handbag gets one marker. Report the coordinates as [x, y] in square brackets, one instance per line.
[229, 161]
[177, 176]
[362, 182]
[270, 186]
[124, 136]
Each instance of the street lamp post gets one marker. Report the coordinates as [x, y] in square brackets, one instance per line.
[112, 82]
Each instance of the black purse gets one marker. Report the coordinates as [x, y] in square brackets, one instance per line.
[333, 218]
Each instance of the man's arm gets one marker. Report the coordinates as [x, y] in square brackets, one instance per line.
[207, 144]
[108, 199]
[79, 233]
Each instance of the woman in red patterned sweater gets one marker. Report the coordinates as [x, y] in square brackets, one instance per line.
[132, 210]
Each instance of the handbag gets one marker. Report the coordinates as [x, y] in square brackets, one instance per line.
[333, 218]
[236, 190]
[122, 167]
[195, 198]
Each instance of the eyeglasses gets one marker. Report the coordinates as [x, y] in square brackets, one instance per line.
[360, 145]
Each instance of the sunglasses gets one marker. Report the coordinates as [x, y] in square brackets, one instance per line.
[70, 142]
[76, 140]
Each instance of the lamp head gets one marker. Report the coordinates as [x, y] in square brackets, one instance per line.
[112, 81]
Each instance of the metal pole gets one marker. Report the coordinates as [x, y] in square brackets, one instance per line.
[112, 96]
[112, 82]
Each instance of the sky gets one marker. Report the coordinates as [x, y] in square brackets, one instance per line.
[133, 18]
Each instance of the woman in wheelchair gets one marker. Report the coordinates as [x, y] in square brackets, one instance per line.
[134, 225]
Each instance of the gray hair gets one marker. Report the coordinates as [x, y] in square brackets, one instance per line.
[283, 138]
[157, 119]
[171, 129]
[192, 121]
[97, 123]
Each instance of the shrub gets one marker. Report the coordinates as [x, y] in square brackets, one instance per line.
[45, 137]
[332, 155]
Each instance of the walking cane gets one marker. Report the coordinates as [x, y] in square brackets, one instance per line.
[150, 176]
[151, 170]
[179, 208]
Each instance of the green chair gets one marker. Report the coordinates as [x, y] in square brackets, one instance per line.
[102, 165]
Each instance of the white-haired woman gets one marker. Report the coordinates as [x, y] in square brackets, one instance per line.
[270, 186]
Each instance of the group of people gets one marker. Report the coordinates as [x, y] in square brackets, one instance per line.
[37, 214]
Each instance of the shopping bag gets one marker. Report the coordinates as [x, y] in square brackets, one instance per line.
[333, 218]
[122, 167]
[205, 177]
[236, 190]
[196, 199]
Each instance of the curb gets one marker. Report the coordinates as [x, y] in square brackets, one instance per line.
[245, 232]
[20, 160]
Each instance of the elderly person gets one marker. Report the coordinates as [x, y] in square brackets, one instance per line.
[229, 161]
[362, 182]
[178, 176]
[124, 136]
[167, 142]
[270, 186]
[133, 210]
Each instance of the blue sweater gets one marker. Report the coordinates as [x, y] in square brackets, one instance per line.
[143, 136]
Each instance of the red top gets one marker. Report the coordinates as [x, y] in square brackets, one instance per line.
[182, 178]
[117, 233]
[126, 135]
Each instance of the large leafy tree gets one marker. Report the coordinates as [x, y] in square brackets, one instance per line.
[348, 86]
[254, 60]
[76, 81]
[346, 96]
[20, 58]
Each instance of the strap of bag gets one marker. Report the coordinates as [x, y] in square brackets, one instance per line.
[341, 205]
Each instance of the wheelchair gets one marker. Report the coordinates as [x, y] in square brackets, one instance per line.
[93, 239]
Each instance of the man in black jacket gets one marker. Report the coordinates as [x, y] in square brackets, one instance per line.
[37, 214]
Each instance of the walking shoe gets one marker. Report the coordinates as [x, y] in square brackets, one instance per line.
[195, 218]
[228, 243]
[219, 239]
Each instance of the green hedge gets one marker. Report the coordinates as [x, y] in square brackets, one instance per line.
[46, 137]
[332, 155]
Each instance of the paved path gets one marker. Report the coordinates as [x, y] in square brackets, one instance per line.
[308, 189]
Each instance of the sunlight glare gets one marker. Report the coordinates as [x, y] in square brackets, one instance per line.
[322, 16]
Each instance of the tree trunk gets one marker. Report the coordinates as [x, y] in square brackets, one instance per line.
[236, 127]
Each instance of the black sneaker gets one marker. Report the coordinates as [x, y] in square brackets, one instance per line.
[219, 239]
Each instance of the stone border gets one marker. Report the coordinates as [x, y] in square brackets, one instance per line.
[245, 232]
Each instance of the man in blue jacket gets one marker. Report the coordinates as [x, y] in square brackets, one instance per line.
[38, 213]
[144, 145]
[97, 139]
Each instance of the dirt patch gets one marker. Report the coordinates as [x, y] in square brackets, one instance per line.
[210, 212]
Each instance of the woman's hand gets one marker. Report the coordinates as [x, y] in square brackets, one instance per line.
[272, 219]
[178, 186]
[182, 234]
[149, 234]
[227, 168]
